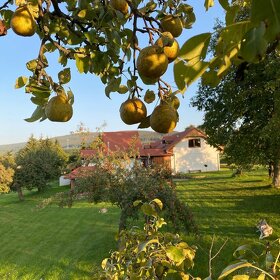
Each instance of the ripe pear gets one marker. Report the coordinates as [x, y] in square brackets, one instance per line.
[133, 111]
[164, 118]
[120, 5]
[152, 62]
[172, 24]
[23, 22]
[58, 109]
[171, 49]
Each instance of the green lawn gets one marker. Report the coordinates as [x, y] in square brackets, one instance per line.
[229, 208]
[54, 243]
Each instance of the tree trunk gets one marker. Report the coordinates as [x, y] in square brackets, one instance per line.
[20, 193]
[276, 175]
[122, 221]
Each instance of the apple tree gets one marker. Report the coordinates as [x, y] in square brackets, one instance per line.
[103, 38]
[38, 162]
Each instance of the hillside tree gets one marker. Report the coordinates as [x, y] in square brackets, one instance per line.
[39, 162]
[130, 44]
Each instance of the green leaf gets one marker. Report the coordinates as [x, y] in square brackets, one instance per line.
[148, 210]
[241, 277]
[31, 65]
[137, 202]
[37, 114]
[193, 70]
[104, 263]
[64, 76]
[224, 4]
[122, 89]
[179, 68]
[233, 267]
[39, 101]
[210, 78]
[254, 45]
[145, 123]
[21, 81]
[82, 63]
[49, 47]
[231, 14]
[267, 11]
[70, 97]
[158, 202]
[231, 36]
[113, 85]
[195, 47]
[142, 246]
[175, 254]
[261, 276]
[190, 20]
[160, 222]
[208, 4]
[38, 90]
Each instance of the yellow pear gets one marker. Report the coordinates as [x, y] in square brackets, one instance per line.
[172, 24]
[152, 62]
[172, 49]
[133, 111]
[58, 109]
[22, 22]
[120, 5]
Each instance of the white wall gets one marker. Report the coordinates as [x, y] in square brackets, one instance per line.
[63, 181]
[187, 159]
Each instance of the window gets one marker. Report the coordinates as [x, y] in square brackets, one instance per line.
[194, 143]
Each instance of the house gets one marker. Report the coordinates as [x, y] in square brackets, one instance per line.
[186, 151]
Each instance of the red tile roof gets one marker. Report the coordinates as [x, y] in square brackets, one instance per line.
[164, 147]
[79, 172]
[116, 141]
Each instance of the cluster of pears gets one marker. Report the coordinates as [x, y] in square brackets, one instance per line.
[152, 63]
[23, 22]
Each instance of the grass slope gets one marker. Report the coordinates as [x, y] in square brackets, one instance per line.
[57, 244]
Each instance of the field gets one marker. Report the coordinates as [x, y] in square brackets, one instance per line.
[69, 243]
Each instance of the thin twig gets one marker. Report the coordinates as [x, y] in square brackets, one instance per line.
[5, 5]
[211, 258]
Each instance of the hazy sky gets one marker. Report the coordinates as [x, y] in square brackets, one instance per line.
[91, 105]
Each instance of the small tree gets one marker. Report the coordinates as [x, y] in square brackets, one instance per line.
[7, 165]
[37, 163]
[149, 253]
[119, 178]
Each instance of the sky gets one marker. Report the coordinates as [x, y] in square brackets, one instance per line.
[91, 106]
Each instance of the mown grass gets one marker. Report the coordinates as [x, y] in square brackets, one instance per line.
[53, 243]
[228, 208]
[69, 243]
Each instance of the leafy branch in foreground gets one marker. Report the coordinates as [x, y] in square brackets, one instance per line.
[127, 44]
[149, 253]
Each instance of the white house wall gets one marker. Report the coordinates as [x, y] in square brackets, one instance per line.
[186, 159]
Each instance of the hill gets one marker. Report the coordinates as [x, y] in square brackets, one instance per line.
[74, 140]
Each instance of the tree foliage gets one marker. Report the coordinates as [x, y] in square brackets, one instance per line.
[105, 40]
[119, 178]
[7, 165]
[37, 163]
[149, 253]
[242, 116]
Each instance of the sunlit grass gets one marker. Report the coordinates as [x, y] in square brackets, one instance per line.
[53, 243]
[227, 207]
[69, 243]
